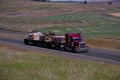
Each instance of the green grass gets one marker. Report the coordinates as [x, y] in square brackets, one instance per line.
[98, 24]
[21, 65]
[92, 23]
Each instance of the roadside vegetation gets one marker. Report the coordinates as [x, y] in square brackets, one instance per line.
[108, 43]
[18, 64]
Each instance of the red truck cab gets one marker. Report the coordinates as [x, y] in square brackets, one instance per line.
[75, 43]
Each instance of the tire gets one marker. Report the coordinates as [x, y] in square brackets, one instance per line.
[39, 44]
[61, 48]
[33, 43]
[57, 47]
[26, 42]
[86, 51]
[74, 50]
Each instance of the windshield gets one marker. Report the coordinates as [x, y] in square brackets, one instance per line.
[76, 38]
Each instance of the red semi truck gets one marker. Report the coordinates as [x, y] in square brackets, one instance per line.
[69, 42]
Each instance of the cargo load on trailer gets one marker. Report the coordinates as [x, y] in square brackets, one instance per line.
[33, 38]
[58, 42]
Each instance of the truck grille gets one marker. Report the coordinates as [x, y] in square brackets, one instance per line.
[82, 45]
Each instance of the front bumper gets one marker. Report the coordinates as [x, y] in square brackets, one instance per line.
[82, 49]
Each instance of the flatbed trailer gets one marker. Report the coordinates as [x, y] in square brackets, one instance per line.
[69, 42]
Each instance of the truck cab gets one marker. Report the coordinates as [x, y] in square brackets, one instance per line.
[75, 43]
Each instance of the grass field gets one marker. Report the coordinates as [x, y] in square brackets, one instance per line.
[91, 24]
[25, 15]
[24, 65]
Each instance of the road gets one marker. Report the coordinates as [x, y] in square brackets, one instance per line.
[95, 54]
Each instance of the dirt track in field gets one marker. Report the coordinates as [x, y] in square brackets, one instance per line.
[31, 9]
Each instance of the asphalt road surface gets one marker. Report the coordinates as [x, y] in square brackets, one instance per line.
[94, 54]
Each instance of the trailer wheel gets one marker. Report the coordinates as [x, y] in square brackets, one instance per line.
[39, 44]
[57, 47]
[32, 43]
[26, 41]
[61, 48]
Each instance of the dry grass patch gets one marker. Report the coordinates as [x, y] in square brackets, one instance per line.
[110, 44]
[114, 14]
[26, 65]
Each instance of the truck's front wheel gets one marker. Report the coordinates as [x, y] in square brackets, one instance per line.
[74, 50]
